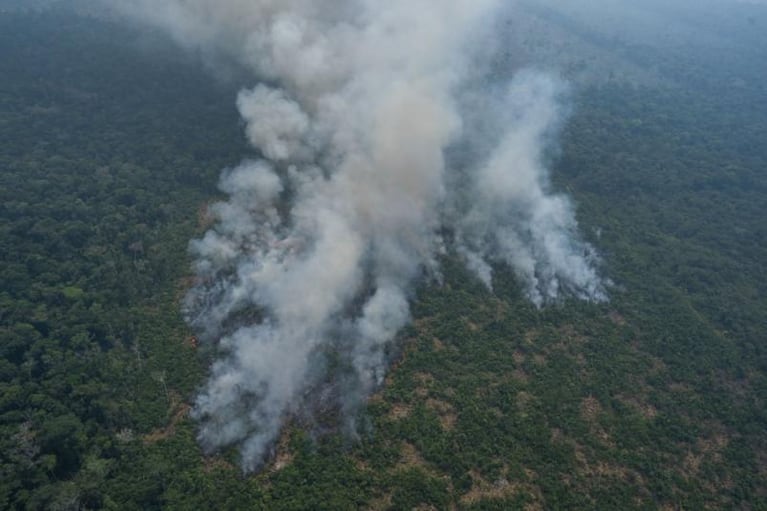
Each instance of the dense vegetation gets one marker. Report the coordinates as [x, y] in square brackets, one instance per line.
[110, 147]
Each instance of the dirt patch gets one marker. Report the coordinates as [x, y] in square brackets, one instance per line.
[617, 318]
[601, 469]
[571, 335]
[496, 412]
[408, 345]
[423, 378]
[410, 457]
[182, 411]
[604, 469]
[707, 455]
[691, 464]
[192, 342]
[639, 404]
[680, 388]
[518, 357]
[524, 399]
[400, 411]
[205, 218]
[568, 341]
[520, 376]
[282, 455]
[361, 465]
[531, 336]
[714, 445]
[183, 285]
[445, 411]
[381, 503]
[215, 463]
[501, 488]
[424, 381]
[590, 409]
[481, 489]
[737, 389]
[657, 366]
[422, 324]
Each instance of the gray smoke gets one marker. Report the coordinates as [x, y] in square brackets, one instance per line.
[322, 238]
[510, 217]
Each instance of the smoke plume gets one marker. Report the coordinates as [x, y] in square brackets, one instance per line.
[316, 251]
[508, 214]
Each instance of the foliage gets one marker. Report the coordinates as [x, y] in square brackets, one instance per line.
[111, 145]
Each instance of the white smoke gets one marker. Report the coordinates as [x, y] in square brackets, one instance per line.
[510, 217]
[321, 240]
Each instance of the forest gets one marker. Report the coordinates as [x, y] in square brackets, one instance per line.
[111, 143]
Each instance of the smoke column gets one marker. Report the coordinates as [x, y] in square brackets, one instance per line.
[323, 236]
[507, 214]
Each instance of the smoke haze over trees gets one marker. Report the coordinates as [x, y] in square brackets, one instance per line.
[353, 138]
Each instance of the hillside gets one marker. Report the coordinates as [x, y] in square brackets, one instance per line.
[112, 143]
